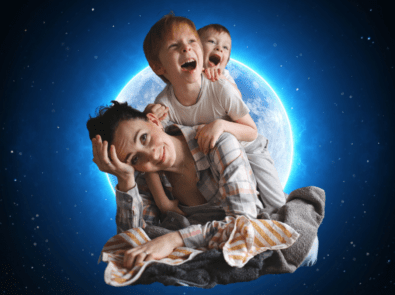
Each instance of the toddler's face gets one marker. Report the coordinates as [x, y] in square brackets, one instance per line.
[216, 49]
[181, 56]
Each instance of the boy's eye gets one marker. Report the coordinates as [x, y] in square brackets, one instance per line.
[226, 47]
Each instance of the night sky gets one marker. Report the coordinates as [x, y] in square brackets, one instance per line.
[330, 62]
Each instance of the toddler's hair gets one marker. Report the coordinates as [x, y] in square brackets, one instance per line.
[155, 37]
[215, 27]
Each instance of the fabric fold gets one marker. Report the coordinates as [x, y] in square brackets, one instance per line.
[240, 239]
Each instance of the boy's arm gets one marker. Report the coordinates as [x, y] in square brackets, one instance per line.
[244, 129]
[157, 191]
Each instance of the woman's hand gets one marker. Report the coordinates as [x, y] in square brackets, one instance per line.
[156, 249]
[112, 165]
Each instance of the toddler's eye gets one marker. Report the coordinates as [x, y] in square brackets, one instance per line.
[226, 47]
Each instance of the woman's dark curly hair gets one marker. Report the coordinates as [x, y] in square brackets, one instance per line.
[108, 118]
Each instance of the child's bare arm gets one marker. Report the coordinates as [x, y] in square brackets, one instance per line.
[161, 200]
[244, 129]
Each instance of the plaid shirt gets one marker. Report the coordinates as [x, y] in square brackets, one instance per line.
[225, 179]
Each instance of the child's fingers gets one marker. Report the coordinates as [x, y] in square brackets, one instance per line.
[163, 117]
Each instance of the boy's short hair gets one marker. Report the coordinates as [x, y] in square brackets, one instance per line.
[217, 28]
[154, 39]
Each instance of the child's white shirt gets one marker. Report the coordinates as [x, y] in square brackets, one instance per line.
[217, 100]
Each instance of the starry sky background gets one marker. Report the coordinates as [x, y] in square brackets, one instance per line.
[330, 62]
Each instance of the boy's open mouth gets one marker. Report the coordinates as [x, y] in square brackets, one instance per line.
[189, 65]
[215, 59]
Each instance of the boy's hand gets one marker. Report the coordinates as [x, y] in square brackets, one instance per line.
[172, 205]
[207, 135]
[213, 74]
[124, 172]
[157, 109]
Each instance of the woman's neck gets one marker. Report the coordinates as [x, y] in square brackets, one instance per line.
[184, 156]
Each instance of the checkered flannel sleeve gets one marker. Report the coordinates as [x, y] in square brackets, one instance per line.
[136, 209]
[236, 195]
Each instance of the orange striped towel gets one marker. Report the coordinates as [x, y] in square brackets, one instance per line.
[240, 239]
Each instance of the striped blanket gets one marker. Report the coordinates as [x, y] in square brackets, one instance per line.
[240, 239]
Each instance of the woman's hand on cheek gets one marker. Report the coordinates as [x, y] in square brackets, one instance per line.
[124, 172]
[156, 249]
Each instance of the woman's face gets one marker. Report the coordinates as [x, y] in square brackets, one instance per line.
[144, 145]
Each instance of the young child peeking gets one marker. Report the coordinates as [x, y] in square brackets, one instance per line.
[173, 49]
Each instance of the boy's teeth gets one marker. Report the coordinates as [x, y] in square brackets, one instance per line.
[189, 65]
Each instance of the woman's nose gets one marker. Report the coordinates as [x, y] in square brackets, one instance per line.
[154, 153]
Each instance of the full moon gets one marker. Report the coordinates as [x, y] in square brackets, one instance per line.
[265, 107]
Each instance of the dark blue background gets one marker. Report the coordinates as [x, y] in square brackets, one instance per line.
[62, 59]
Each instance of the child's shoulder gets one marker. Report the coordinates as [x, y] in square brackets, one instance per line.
[165, 95]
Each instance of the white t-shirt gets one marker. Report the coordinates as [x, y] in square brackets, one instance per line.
[218, 100]
[228, 76]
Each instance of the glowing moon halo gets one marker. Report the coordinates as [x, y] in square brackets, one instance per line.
[265, 107]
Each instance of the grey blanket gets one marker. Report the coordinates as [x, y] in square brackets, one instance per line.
[304, 212]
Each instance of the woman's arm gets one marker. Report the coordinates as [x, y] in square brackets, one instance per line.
[133, 209]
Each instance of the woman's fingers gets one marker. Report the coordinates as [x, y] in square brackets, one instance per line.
[135, 256]
[129, 258]
[140, 257]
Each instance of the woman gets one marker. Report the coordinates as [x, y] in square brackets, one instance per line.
[125, 140]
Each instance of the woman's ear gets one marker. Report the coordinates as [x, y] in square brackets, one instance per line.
[154, 119]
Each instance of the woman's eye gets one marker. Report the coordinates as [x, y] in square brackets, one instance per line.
[134, 160]
[192, 40]
[143, 137]
[211, 41]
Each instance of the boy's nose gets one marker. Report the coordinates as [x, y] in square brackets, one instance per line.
[218, 48]
[187, 48]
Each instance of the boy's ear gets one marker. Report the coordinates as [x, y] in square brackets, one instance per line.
[157, 68]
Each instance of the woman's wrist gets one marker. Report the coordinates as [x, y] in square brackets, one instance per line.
[126, 184]
[176, 239]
